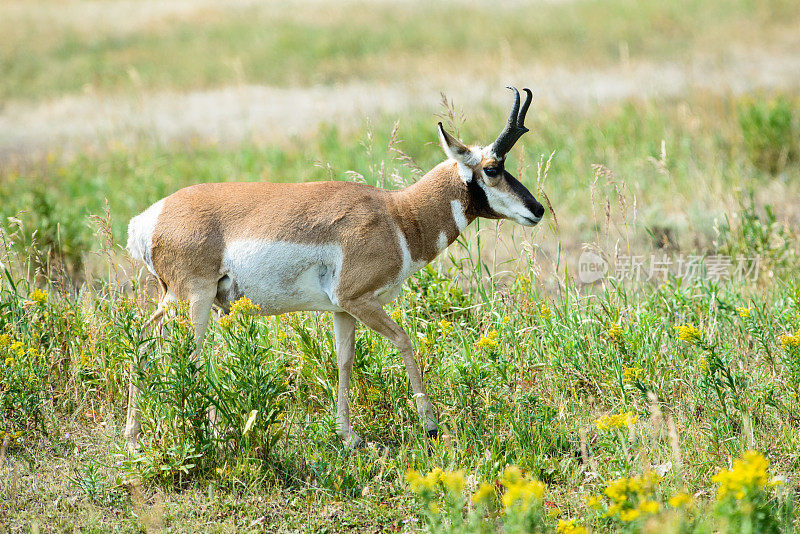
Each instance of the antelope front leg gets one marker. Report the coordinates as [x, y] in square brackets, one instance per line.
[369, 311]
[344, 330]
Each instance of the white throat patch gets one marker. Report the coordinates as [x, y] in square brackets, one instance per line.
[459, 216]
[442, 243]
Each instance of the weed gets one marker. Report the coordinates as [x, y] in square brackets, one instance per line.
[771, 131]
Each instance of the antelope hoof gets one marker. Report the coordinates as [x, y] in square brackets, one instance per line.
[131, 444]
[132, 437]
[353, 442]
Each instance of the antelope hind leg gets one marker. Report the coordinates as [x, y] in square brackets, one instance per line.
[132, 425]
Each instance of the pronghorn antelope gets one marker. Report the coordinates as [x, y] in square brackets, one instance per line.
[341, 247]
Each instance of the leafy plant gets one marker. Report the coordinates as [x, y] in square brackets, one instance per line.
[174, 403]
[771, 131]
[443, 501]
[756, 241]
[249, 382]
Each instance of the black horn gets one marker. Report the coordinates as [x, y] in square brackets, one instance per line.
[516, 124]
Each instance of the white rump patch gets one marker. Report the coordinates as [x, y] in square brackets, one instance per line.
[283, 277]
[140, 235]
[459, 216]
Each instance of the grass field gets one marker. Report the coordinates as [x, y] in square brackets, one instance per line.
[622, 405]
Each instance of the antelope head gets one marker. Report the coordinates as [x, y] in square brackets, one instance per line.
[494, 192]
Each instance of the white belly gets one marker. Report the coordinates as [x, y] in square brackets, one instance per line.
[282, 277]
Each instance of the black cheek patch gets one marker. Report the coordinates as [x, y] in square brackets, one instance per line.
[478, 201]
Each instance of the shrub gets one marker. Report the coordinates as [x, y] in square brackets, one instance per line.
[757, 241]
[249, 382]
[197, 411]
[771, 133]
[520, 508]
[744, 498]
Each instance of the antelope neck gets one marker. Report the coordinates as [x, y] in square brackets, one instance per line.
[433, 212]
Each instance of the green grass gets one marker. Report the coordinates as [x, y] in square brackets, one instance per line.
[318, 44]
[528, 399]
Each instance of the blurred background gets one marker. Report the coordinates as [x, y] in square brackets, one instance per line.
[655, 125]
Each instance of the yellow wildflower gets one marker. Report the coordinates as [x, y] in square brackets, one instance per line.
[554, 512]
[544, 311]
[414, 480]
[629, 515]
[38, 296]
[420, 484]
[743, 312]
[506, 320]
[648, 507]
[614, 332]
[184, 322]
[679, 499]
[489, 341]
[511, 475]
[244, 306]
[226, 321]
[617, 490]
[568, 527]
[5, 340]
[748, 474]
[688, 333]
[625, 492]
[484, 494]
[632, 374]
[790, 341]
[177, 306]
[593, 501]
[9, 361]
[446, 326]
[520, 491]
[621, 420]
[19, 348]
[453, 481]
[397, 315]
[282, 335]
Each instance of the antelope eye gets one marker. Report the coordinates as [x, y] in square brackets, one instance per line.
[492, 171]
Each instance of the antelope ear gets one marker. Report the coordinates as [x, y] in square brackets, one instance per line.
[455, 149]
